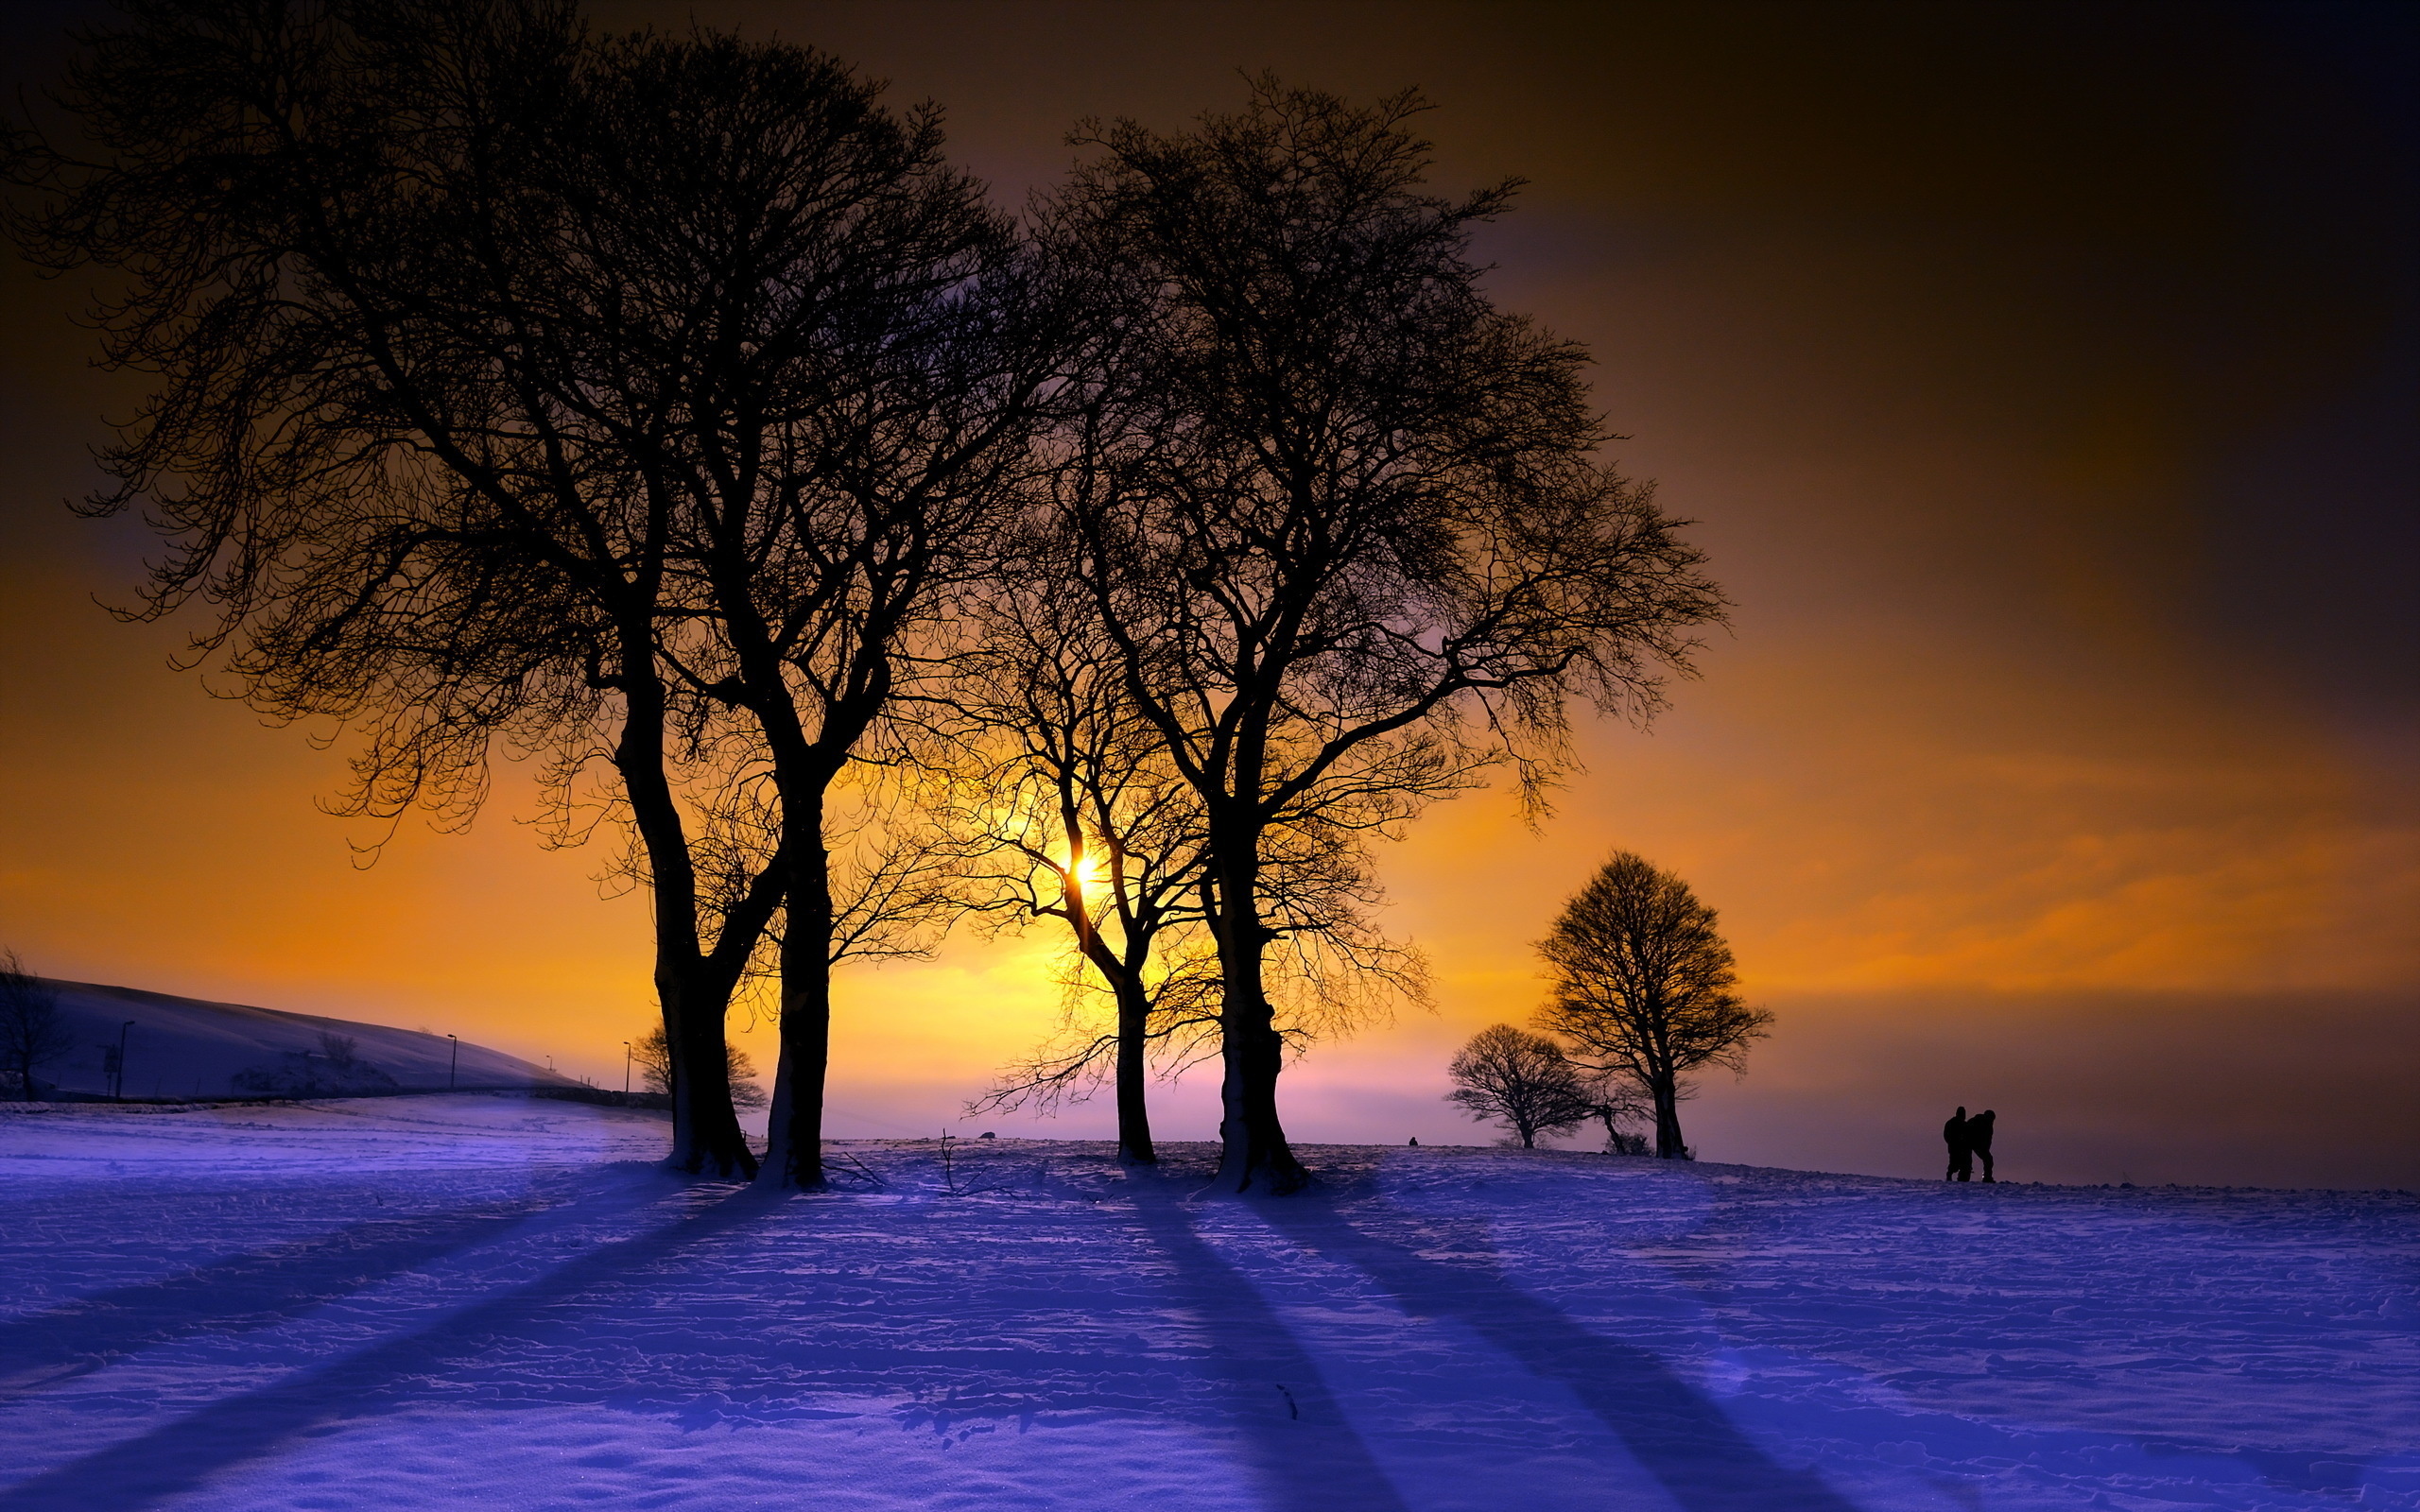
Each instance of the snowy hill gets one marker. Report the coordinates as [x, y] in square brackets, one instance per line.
[186, 1047]
[497, 1302]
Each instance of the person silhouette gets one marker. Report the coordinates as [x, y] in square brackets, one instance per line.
[1962, 1154]
[1978, 1138]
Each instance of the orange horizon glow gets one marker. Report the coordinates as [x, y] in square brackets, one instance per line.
[2004, 720]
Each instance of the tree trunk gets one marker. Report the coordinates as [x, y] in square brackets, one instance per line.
[1668, 1120]
[794, 1148]
[1253, 1152]
[1133, 1116]
[706, 1138]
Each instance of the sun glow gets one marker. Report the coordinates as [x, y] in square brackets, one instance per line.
[1089, 871]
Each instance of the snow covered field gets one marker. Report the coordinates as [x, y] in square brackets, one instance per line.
[491, 1302]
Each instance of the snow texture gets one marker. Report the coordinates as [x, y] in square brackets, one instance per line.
[487, 1301]
[186, 1047]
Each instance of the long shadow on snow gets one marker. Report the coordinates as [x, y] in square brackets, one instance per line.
[1681, 1437]
[240, 1293]
[176, 1457]
[1307, 1456]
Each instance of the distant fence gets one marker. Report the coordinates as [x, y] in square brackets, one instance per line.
[660, 1102]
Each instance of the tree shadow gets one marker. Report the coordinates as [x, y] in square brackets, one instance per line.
[1679, 1435]
[1304, 1453]
[243, 1292]
[177, 1456]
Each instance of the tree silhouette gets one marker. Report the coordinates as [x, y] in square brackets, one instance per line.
[1618, 1102]
[1339, 517]
[31, 1034]
[835, 327]
[1072, 815]
[1523, 1081]
[634, 397]
[653, 1058]
[1644, 984]
[1075, 813]
[396, 435]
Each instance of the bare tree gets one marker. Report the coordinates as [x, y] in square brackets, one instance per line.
[1072, 814]
[1339, 517]
[1619, 1104]
[31, 1034]
[1065, 790]
[653, 1057]
[834, 325]
[653, 1054]
[390, 442]
[1523, 1081]
[1644, 984]
[613, 397]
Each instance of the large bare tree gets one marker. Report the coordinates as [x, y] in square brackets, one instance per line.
[463, 333]
[1644, 984]
[838, 331]
[1341, 518]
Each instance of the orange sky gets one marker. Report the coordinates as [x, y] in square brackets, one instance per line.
[2040, 380]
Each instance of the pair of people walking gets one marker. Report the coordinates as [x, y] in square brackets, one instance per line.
[1968, 1139]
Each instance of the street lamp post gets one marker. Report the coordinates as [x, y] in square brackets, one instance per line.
[453, 1061]
[626, 1068]
[120, 1094]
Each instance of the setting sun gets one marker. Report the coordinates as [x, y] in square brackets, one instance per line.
[1089, 871]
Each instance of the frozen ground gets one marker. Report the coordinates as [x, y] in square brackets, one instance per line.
[486, 1303]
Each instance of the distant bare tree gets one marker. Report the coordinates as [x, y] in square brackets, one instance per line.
[746, 1091]
[1523, 1081]
[654, 1060]
[31, 1034]
[1619, 1103]
[1339, 517]
[1644, 984]
[341, 1051]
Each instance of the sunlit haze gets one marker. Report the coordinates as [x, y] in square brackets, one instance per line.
[2040, 382]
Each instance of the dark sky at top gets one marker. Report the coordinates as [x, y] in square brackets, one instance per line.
[2043, 379]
